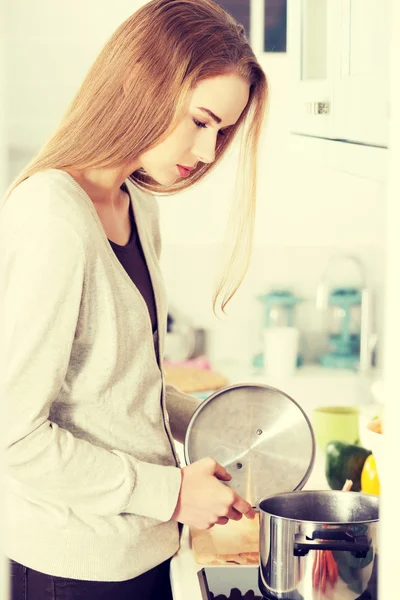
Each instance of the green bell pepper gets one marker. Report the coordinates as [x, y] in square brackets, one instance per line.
[344, 461]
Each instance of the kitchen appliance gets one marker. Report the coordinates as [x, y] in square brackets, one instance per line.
[279, 308]
[344, 328]
[227, 583]
[265, 441]
[278, 311]
[296, 526]
[351, 321]
[241, 583]
[183, 340]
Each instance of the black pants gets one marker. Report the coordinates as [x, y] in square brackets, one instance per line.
[28, 584]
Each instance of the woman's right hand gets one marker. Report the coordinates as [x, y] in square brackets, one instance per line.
[204, 501]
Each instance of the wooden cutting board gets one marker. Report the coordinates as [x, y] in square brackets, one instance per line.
[236, 542]
[194, 379]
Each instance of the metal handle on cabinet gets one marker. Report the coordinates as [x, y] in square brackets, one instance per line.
[318, 108]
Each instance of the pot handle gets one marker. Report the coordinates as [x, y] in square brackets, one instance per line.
[331, 539]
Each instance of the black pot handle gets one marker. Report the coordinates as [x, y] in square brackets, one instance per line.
[331, 539]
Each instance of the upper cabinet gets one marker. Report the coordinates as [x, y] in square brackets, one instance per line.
[339, 51]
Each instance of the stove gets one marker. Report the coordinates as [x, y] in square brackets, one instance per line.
[240, 582]
[230, 582]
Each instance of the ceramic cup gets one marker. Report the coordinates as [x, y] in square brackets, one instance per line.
[335, 423]
[280, 351]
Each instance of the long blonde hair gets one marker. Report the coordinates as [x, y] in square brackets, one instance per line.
[134, 95]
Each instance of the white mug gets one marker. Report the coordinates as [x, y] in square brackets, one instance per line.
[281, 345]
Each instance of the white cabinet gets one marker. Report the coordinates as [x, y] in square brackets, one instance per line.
[339, 50]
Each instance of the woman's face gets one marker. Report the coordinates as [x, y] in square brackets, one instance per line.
[194, 139]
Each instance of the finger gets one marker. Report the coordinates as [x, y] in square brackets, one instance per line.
[244, 507]
[250, 514]
[221, 473]
[234, 514]
[222, 521]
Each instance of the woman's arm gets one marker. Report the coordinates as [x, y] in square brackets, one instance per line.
[42, 268]
[180, 408]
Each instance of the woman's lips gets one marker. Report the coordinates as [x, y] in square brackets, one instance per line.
[183, 172]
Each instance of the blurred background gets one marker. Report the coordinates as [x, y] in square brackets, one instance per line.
[317, 198]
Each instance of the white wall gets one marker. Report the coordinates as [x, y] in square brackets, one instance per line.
[3, 183]
[50, 46]
[306, 212]
[3, 99]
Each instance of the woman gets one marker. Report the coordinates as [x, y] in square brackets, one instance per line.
[94, 491]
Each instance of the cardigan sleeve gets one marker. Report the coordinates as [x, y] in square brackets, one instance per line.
[42, 274]
[180, 408]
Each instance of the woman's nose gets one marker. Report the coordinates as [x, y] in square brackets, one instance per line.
[205, 151]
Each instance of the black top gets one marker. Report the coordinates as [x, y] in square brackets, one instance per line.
[132, 258]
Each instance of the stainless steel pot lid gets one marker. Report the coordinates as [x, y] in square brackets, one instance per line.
[259, 434]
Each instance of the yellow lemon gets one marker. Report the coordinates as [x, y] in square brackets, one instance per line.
[369, 477]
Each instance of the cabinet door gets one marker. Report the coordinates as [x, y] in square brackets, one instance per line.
[310, 41]
[340, 57]
[362, 72]
[240, 10]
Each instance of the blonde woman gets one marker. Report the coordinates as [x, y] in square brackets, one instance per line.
[93, 490]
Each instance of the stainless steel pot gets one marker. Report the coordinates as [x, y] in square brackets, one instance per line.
[265, 440]
[301, 533]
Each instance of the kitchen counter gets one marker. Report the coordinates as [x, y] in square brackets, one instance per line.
[311, 387]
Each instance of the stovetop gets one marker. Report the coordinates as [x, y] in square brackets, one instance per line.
[240, 582]
[230, 582]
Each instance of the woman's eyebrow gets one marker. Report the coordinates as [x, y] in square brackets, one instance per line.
[212, 115]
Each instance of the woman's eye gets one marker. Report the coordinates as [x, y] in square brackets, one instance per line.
[204, 126]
